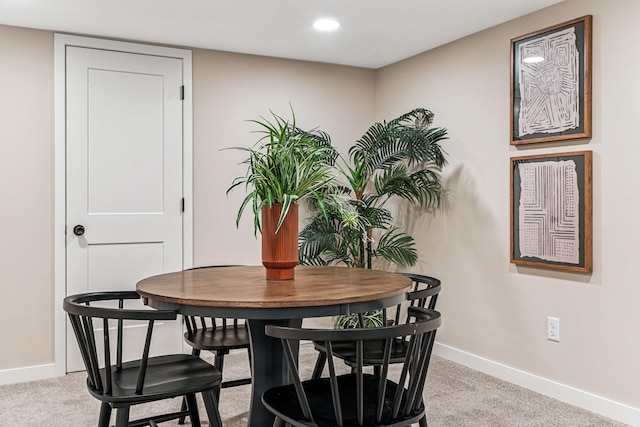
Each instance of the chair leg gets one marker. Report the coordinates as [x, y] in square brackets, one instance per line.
[122, 417]
[105, 415]
[212, 408]
[278, 422]
[192, 404]
[320, 362]
[218, 362]
[183, 407]
[423, 421]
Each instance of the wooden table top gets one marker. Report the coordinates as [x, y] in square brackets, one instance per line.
[247, 287]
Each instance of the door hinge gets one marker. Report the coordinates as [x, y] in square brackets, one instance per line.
[182, 93]
[182, 205]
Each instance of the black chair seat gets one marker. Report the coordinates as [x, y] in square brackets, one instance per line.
[229, 338]
[373, 351]
[318, 392]
[166, 377]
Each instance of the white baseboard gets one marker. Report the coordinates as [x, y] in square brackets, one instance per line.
[28, 373]
[573, 396]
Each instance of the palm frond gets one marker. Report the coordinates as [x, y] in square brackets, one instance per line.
[323, 247]
[312, 245]
[422, 187]
[397, 247]
[428, 183]
[418, 117]
[376, 217]
[423, 145]
[407, 138]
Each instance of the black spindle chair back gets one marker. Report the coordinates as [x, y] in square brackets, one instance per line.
[394, 397]
[423, 293]
[121, 384]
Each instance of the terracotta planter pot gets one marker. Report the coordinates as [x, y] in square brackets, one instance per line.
[279, 250]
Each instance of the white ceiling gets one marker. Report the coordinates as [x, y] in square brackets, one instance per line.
[374, 33]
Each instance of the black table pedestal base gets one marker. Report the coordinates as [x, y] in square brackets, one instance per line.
[266, 372]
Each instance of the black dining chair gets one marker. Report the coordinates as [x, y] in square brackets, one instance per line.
[392, 398]
[218, 336]
[122, 384]
[424, 293]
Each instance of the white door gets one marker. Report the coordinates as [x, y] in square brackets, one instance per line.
[124, 177]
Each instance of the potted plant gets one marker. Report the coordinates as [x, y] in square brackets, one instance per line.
[286, 165]
[400, 159]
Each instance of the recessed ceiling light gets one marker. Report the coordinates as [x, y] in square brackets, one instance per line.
[326, 24]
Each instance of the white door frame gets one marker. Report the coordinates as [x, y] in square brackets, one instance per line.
[61, 41]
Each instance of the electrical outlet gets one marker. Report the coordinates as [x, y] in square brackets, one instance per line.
[553, 328]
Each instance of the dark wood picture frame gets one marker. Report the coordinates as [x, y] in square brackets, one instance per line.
[551, 211]
[551, 83]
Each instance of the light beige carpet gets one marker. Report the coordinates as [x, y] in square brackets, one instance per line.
[455, 397]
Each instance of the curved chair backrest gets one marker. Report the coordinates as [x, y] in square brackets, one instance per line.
[194, 323]
[424, 293]
[81, 314]
[393, 404]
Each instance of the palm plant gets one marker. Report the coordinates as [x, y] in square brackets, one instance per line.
[399, 159]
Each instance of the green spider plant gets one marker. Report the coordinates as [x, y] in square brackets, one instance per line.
[286, 165]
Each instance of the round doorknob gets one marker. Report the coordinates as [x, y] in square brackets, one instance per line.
[78, 230]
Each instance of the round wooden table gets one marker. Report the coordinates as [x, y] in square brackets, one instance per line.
[244, 292]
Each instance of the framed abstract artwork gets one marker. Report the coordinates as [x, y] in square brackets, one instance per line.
[551, 211]
[551, 83]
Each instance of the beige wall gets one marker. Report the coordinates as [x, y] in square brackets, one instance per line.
[496, 310]
[492, 309]
[230, 89]
[26, 197]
